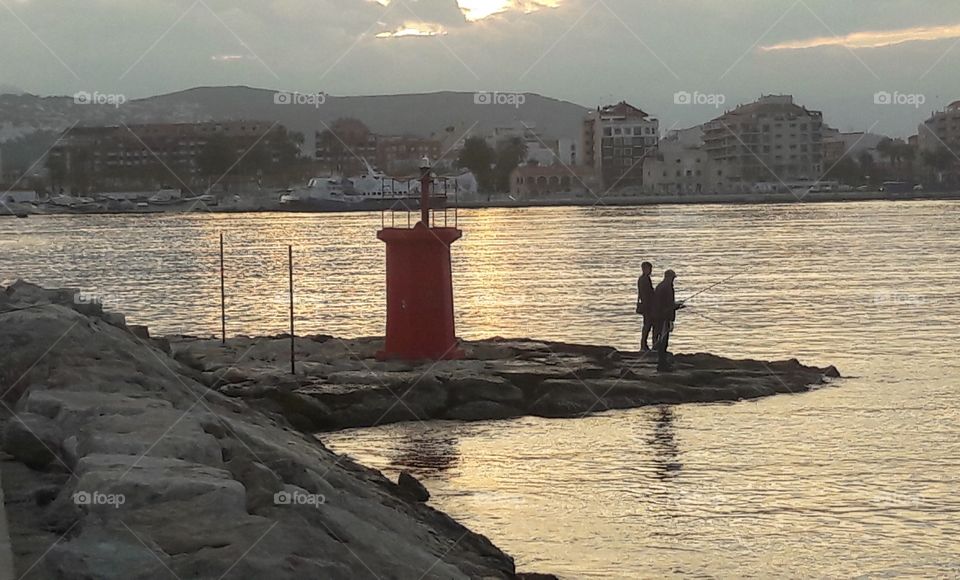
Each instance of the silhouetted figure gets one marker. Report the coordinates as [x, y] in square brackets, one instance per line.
[645, 305]
[665, 309]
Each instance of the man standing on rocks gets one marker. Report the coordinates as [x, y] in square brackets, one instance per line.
[665, 309]
[645, 305]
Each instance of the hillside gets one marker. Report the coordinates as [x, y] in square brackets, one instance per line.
[416, 114]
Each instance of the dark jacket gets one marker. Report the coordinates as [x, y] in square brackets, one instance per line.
[664, 302]
[644, 295]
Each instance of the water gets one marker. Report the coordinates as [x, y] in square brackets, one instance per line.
[858, 480]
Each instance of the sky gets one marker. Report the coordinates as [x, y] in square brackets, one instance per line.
[833, 55]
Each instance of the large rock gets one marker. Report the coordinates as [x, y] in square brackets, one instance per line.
[469, 388]
[107, 553]
[410, 487]
[33, 439]
[482, 411]
[259, 481]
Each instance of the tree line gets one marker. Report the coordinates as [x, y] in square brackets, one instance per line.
[492, 166]
[898, 161]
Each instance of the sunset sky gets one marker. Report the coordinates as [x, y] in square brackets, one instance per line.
[832, 55]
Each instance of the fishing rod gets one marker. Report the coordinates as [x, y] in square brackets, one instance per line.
[713, 320]
[708, 288]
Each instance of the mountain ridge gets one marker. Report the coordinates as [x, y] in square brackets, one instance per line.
[423, 114]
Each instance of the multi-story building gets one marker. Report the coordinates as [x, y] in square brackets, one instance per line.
[346, 146]
[838, 145]
[679, 168]
[568, 152]
[615, 141]
[941, 130]
[402, 154]
[772, 140]
[168, 152]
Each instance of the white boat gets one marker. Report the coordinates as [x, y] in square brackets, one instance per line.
[371, 186]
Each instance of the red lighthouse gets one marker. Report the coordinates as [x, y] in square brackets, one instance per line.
[420, 286]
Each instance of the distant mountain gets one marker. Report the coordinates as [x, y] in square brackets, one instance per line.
[414, 114]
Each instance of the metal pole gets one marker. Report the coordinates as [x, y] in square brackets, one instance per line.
[223, 298]
[293, 369]
[425, 196]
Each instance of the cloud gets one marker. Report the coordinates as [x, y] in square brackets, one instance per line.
[414, 29]
[474, 10]
[873, 39]
[479, 9]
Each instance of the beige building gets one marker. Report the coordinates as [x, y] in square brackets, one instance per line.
[679, 168]
[615, 141]
[942, 129]
[770, 140]
[540, 181]
[838, 145]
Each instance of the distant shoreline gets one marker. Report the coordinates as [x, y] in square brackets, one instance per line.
[583, 200]
[724, 198]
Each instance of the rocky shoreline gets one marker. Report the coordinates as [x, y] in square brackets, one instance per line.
[132, 457]
[340, 384]
[118, 464]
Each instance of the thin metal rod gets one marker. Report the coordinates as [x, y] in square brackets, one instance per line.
[223, 298]
[293, 369]
[712, 286]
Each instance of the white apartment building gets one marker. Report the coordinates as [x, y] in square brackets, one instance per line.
[615, 141]
[770, 140]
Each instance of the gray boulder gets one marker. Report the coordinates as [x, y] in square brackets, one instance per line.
[466, 388]
[411, 488]
[32, 439]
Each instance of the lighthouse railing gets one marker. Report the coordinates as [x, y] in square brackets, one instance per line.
[408, 202]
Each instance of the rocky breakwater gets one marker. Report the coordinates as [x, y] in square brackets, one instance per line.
[120, 464]
[339, 383]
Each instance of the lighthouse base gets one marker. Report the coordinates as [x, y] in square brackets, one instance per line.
[420, 318]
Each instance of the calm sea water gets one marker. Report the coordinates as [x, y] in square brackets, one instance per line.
[857, 480]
